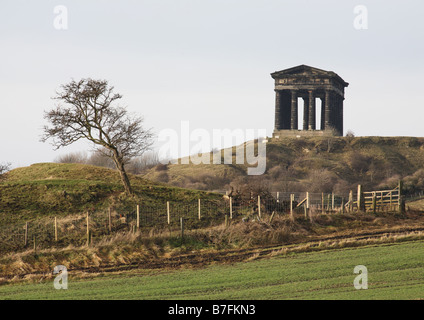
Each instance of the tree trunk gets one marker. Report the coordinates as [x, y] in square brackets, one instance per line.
[121, 168]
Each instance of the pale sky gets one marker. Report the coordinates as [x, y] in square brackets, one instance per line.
[207, 62]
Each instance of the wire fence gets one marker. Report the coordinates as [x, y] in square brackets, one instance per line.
[86, 227]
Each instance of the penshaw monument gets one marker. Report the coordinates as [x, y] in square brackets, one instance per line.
[309, 84]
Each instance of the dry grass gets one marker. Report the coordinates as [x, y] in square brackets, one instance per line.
[164, 248]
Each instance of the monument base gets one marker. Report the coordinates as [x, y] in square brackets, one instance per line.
[303, 133]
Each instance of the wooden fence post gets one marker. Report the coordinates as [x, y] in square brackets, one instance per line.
[350, 201]
[26, 234]
[231, 208]
[322, 203]
[138, 217]
[55, 229]
[200, 217]
[110, 220]
[259, 206]
[401, 201]
[291, 206]
[332, 201]
[278, 197]
[168, 213]
[374, 202]
[307, 205]
[88, 231]
[391, 201]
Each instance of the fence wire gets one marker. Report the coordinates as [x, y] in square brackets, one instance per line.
[50, 231]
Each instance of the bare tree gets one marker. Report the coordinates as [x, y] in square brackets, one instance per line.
[146, 161]
[74, 157]
[4, 167]
[87, 110]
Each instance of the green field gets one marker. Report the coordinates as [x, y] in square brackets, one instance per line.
[395, 271]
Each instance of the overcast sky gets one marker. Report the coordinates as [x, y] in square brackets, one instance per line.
[207, 62]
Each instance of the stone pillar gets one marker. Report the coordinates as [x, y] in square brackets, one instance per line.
[341, 115]
[312, 111]
[293, 118]
[322, 113]
[277, 125]
[327, 113]
[335, 107]
[305, 113]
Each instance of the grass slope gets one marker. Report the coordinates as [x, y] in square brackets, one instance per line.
[60, 189]
[369, 161]
[394, 272]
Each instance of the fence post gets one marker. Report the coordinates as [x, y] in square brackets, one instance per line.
[291, 206]
[332, 201]
[259, 206]
[88, 231]
[374, 202]
[391, 199]
[342, 207]
[307, 205]
[110, 220]
[55, 229]
[307, 200]
[322, 203]
[26, 234]
[350, 201]
[231, 208]
[199, 209]
[278, 196]
[182, 228]
[138, 217]
[168, 213]
[401, 200]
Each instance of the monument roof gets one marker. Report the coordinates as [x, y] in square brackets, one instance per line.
[304, 70]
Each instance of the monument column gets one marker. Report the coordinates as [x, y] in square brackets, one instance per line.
[277, 124]
[293, 118]
[322, 113]
[341, 114]
[312, 111]
[327, 112]
[305, 112]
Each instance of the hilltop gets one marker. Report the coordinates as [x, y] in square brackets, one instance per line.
[315, 164]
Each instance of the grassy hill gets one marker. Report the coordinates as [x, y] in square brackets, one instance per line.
[315, 164]
[61, 189]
